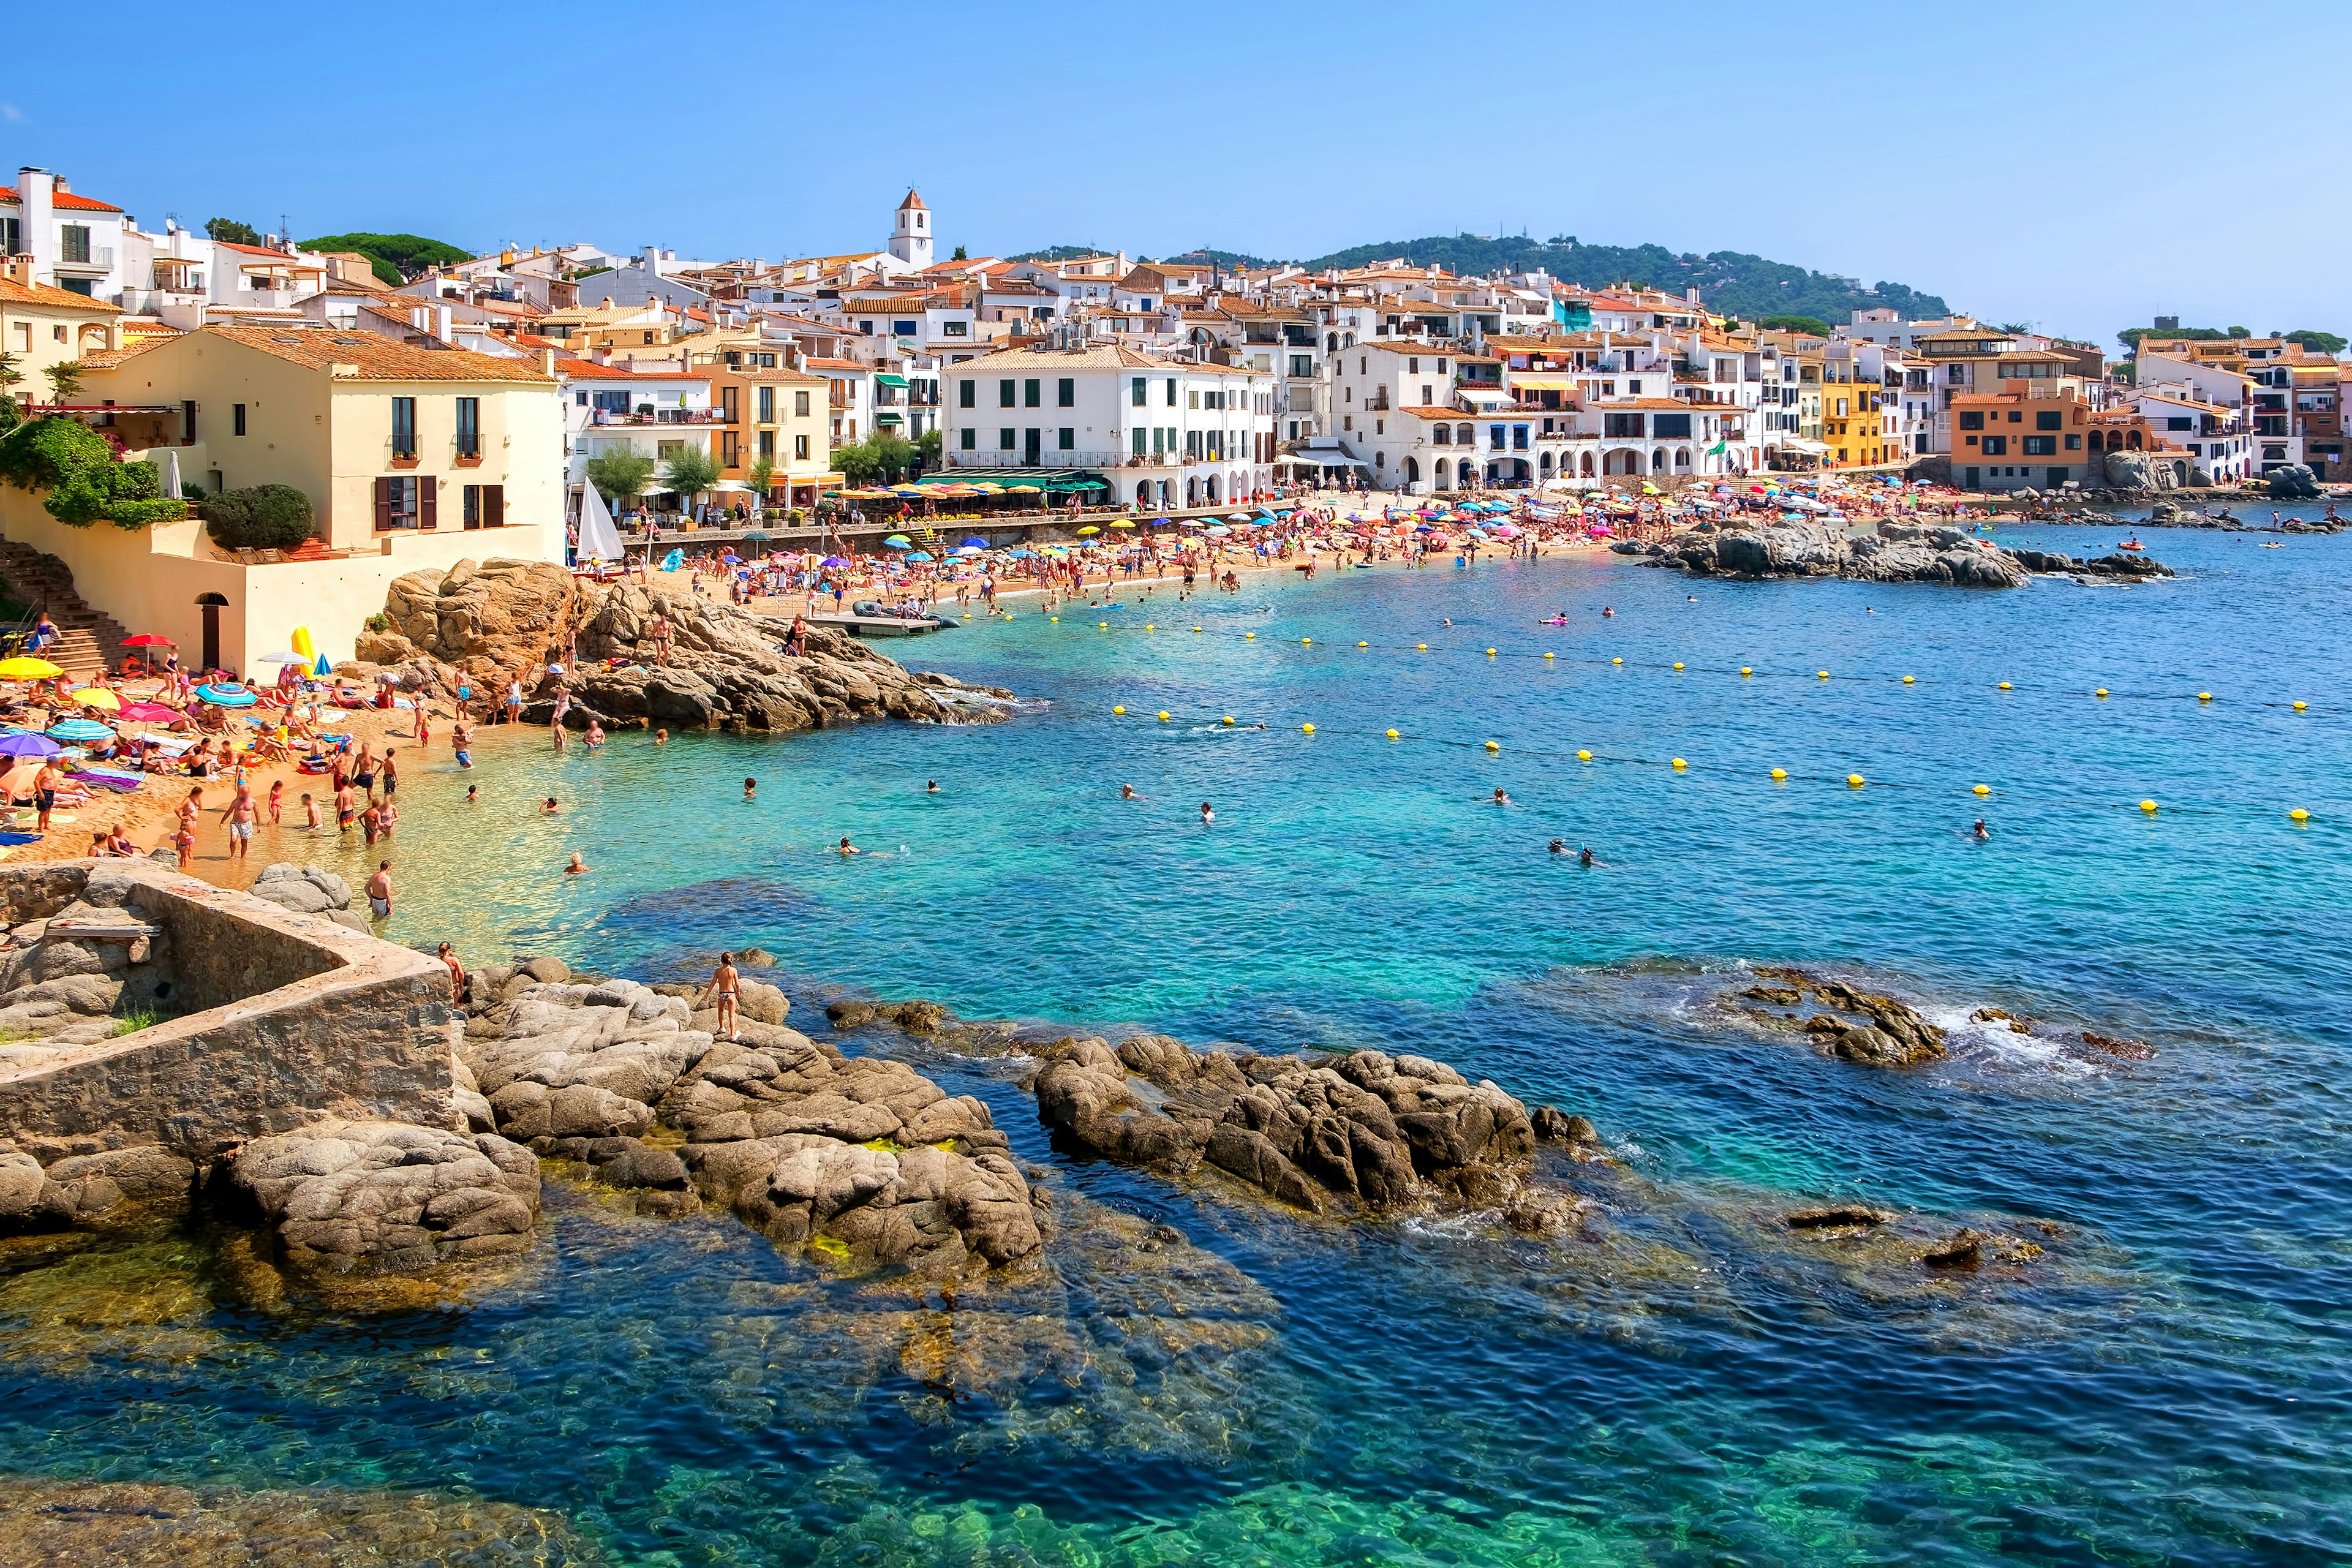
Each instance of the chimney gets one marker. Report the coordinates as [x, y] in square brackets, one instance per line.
[547, 362]
[58, 184]
[441, 315]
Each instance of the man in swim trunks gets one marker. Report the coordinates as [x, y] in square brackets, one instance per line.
[44, 795]
[240, 813]
[379, 891]
[727, 987]
[461, 736]
[346, 809]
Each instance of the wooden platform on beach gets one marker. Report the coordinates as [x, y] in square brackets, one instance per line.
[880, 625]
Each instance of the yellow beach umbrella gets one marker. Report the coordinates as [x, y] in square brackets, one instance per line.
[27, 669]
[1091, 528]
[1121, 522]
[97, 696]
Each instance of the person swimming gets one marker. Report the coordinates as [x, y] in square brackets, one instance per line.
[1607, 614]
[845, 849]
[1584, 857]
[1982, 832]
[1127, 791]
[931, 786]
[1501, 798]
[1207, 815]
[1560, 846]
[751, 789]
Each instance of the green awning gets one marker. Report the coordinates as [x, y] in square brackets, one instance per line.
[887, 419]
[889, 381]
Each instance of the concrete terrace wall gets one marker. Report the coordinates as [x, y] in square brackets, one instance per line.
[302, 1019]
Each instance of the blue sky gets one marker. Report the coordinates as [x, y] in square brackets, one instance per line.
[2083, 166]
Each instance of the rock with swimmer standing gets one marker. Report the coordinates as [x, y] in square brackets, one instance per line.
[487, 624]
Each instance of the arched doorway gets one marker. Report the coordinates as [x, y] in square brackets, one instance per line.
[1143, 493]
[1658, 461]
[1681, 459]
[1192, 492]
[212, 605]
[1543, 464]
[1212, 490]
[1584, 465]
[1413, 470]
[2132, 440]
[1462, 474]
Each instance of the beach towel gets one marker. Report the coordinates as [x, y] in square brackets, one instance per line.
[107, 779]
[12, 839]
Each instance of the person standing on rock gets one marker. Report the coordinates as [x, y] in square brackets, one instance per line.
[727, 987]
[661, 633]
[448, 956]
[514, 701]
[379, 891]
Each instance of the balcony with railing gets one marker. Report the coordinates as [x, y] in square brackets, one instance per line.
[602, 417]
[1046, 457]
[86, 258]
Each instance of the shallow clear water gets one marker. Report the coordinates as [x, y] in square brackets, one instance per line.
[2167, 1384]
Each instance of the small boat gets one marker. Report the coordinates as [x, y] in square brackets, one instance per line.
[2131, 544]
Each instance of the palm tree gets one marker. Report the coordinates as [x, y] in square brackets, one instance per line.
[65, 381]
[9, 374]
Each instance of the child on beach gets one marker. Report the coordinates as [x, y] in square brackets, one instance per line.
[276, 799]
[309, 812]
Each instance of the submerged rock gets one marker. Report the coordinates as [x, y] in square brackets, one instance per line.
[1867, 1026]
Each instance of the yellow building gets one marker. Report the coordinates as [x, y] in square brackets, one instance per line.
[413, 458]
[42, 326]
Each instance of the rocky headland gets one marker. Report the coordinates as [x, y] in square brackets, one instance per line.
[482, 626]
[1892, 553]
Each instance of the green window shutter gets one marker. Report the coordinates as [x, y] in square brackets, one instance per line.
[1005, 394]
[1068, 393]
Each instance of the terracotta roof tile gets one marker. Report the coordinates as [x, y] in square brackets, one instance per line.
[378, 358]
[42, 294]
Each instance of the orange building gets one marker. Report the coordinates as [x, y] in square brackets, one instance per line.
[2042, 437]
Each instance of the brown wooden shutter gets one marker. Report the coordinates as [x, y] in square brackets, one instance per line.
[382, 504]
[428, 498]
[494, 506]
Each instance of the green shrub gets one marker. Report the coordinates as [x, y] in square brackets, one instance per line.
[85, 480]
[267, 517]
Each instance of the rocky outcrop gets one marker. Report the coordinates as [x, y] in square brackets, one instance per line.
[503, 620]
[1361, 1132]
[1810, 547]
[308, 890]
[861, 1161]
[81, 1187]
[2293, 482]
[1856, 1026]
[365, 1197]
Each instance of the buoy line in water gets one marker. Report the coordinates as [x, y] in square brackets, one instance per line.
[1751, 672]
[1856, 782]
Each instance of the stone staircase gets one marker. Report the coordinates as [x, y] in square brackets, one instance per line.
[93, 639]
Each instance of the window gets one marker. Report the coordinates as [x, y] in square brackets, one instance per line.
[1302, 364]
[801, 403]
[1620, 425]
[404, 428]
[2179, 423]
[730, 450]
[1004, 440]
[768, 445]
[956, 329]
[1840, 406]
[1136, 444]
[1030, 392]
[469, 428]
[1138, 391]
[1191, 397]
[1006, 393]
[1996, 446]
[2040, 446]
[2016, 417]
[1971, 420]
[967, 394]
[799, 449]
[905, 329]
[2050, 419]
[1677, 427]
[404, 501]
[2073, 443]
[1066, 394]
[73, 242]
[1442, 435]
[765, 362]
[1069, 439]
[237, 418]
[486, 506]
[1172, 391]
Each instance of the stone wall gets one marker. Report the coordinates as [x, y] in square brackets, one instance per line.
[301, 1020]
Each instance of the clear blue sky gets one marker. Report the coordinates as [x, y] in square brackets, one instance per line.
[2079, 165]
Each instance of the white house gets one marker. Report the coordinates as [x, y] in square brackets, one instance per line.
[1166, 433]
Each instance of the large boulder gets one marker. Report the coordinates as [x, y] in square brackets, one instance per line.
[2293, 482]
[367, 1197]
[1353, 1133]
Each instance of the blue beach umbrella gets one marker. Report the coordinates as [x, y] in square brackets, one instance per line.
[25, 743]
[323, 668]
[974, 543]
[78, 730]
[917, 555]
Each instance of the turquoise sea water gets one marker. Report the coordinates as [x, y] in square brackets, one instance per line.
[2167, 1384]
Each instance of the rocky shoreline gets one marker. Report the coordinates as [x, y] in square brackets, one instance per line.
[482, 626]
[1893, 553]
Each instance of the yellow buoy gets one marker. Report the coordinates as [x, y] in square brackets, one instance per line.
[1584, 756]
[1229, 719]
[2004, 686]
[1822, 673]
[1363, 644]
[1616, 661]
[2149, 806]
[2204, 697]
[1907, 681]
[1422, 645]
[1249, 636]
[1853, 781]
[1490, 653]
[1678, 664]
[1052, 618]
[1103, 625]
[1780, 772]
[1546, 656]
[1492, 746]
[1309, 729]
[1984, 789]
[1163, 715]
[2101, 691]
[1680, 764]
[1306, 642]
[1118, 710]
[1392, 734]
[1149, 627]
[2299, 815]
[1196, 629]
[1745, 670]
[2298, 707]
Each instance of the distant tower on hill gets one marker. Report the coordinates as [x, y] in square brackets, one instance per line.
[910, 239]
